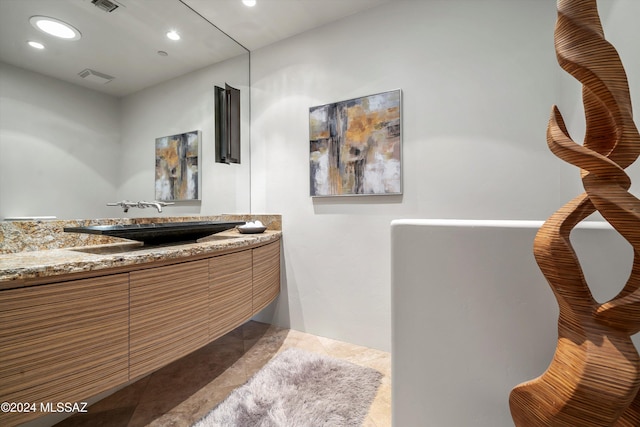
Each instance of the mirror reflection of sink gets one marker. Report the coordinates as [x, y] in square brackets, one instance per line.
[160, 233]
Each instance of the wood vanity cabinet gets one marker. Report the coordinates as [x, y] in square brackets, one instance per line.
[242, 284]
[62, 342]
[230, 292]
[179, 308]
[71, 340]
[266, 275]
[168, 314]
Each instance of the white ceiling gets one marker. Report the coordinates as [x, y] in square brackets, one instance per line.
[272, 20]
[124, 43]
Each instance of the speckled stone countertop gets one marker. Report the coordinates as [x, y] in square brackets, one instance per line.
[59, 256]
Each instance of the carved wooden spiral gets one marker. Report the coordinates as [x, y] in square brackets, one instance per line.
[594, 377]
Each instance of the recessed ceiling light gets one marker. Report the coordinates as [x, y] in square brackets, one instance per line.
[55, 27]
[249, 3]
[35, 45]
[173, 35]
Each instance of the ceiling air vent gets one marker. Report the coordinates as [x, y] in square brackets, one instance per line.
[106, 5]
[95, 76]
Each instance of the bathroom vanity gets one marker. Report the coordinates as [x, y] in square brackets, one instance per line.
[78, 321]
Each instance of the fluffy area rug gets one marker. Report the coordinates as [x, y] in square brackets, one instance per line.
[299, 389]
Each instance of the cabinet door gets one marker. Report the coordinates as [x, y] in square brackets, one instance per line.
[169, 313]
[230, 290]
[266, 275]
[63, 342]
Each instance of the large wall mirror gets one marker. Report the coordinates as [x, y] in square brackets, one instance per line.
[79, 118]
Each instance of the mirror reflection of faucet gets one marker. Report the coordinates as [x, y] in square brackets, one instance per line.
[126, 204]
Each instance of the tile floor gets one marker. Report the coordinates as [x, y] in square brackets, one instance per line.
[184, 391]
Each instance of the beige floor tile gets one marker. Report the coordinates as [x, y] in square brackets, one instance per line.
[184, 391]
[369, 422]
[304, 342]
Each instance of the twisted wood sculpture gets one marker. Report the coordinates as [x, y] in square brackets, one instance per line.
[594, 377]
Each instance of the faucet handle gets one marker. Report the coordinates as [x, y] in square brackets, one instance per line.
[122, 203]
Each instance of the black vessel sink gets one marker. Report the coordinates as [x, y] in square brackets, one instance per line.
[159, 233]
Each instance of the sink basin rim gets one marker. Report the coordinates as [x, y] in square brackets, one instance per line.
[158, 233]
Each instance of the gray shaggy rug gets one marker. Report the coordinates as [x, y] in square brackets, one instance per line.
[299, 389]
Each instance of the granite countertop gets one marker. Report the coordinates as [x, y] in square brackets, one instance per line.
[34, 252]
[20, 269]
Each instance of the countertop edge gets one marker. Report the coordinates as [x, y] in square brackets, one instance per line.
[40, 267]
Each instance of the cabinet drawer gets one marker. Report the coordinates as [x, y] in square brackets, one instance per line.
[168, 314]
[63, 342]
[230, 291]
[266, 275]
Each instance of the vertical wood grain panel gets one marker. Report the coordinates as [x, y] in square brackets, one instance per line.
[63, 342]
[168, 314]
[266, 275]
[230, 292]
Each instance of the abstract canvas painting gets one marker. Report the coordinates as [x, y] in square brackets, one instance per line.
[177, 167]
[355, 146]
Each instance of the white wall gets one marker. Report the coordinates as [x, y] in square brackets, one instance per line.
[478, 81]
[473, 316]
[469, 93]
[180, 105]
[59, 147]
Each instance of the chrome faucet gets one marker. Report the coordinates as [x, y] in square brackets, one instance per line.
[158, 205]
[126, 204]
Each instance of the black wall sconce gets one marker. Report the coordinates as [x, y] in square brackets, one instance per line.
[227, 112]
